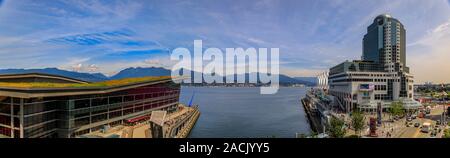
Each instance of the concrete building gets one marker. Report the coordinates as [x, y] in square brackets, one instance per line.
[381, 76]
[40, 105]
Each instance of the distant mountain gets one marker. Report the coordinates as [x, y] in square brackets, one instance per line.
[54, 71]
[100, 76]
[141, 72]
[312, 80]
[283, 79]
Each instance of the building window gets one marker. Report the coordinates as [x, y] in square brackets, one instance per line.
[82, 103]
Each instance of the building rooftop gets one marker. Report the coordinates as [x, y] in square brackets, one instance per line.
[385, 15]
[38, 77]
[43, 85]
[109, 83]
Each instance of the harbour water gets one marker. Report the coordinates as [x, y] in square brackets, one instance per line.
[242, 112]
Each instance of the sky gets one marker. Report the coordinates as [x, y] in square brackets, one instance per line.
[109, 35]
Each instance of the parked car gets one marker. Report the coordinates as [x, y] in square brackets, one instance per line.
[414, 116]
[438, 122]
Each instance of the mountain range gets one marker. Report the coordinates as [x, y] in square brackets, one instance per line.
[92, 77]
[140, 72]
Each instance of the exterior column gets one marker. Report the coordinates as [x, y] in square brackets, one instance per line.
[90, 114]
[21, 118]
[121, 107]
[12, 117]
[107, 113]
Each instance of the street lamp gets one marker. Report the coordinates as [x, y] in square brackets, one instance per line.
[443, 119]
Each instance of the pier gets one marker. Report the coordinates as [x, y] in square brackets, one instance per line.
[177, 124]
[313, 119]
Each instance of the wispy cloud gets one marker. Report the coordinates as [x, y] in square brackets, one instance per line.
[121, 37]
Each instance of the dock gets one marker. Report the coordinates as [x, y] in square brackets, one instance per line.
[313, 119]
[184, 133]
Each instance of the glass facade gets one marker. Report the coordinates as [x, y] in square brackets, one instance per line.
[69, 116]
[385, 43]
[356, 66]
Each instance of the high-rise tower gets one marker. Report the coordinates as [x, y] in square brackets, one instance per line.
[381, 77]
[385, 43]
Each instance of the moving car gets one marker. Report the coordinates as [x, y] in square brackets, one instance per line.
[409, 124]
[433, 133]
[417, 124]
[408, 119]
[426, 127]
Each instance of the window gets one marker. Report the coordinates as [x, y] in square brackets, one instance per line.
[129, 98]
[99, 101]
[115, 100]
[99, 118]
[81, 122]
[82, 103]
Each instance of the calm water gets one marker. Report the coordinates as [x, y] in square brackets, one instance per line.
[243, 112]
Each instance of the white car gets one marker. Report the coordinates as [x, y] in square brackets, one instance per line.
[426, 127]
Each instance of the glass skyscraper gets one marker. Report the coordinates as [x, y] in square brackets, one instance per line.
[385, 43]
[381, 76]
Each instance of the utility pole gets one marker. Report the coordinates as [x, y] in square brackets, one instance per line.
[444, 118]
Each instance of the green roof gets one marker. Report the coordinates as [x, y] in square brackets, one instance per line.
[109, 83]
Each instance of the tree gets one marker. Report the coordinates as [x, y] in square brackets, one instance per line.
[446, 133]
[353, 136]
[336, 128]
[358, 121]
[397, 109]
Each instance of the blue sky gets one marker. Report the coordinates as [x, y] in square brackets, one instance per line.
[107, 36]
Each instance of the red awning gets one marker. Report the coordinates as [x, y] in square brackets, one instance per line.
[137, 119]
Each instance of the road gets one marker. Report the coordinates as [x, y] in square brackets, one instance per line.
[398, 129]
[414, 132]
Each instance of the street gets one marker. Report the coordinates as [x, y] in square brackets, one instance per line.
[399, 129]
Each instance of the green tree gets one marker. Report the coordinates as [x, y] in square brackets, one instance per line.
[314, 135]
[336, 128]
[446, 133]
[397, 109]
[358, 121]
